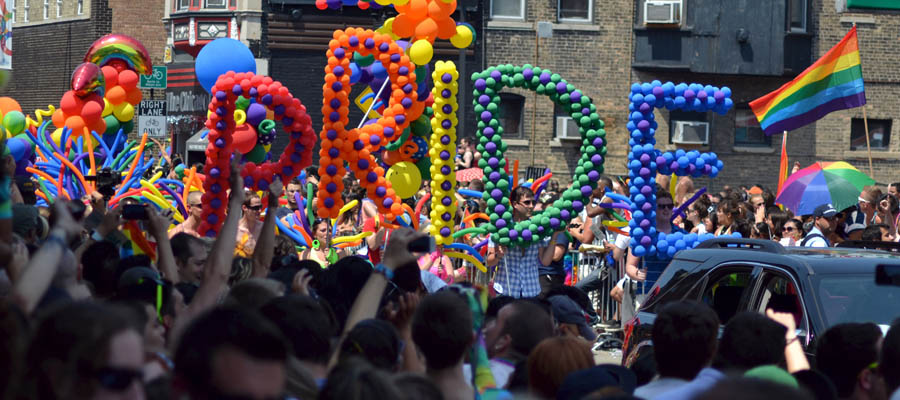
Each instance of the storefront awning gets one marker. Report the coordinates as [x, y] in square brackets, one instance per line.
[882, 4]
[197, 142]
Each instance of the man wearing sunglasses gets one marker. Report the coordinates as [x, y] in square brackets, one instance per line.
[824, 221]
[250, 227]
[517, 268]
[194, 207]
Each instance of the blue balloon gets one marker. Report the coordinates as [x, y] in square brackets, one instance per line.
[379, 71]
[220, 56]
[355, 73]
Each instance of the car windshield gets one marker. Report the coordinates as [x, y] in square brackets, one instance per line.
[856, 298]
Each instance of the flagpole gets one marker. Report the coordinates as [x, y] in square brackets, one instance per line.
[868, 147]
[866, 124]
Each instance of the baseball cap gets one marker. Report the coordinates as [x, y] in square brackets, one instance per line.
[825, 210]
[854, 227]
[137, 276]
[567, 311]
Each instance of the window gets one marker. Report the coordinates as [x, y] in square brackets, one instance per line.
[796, 15]
[879, 134]
[508, 9]
[747, 131]
[80, 8]
[779, 293]
[25, 15]
[725, 289]
[46, 9]
[215, 3]
[183, 4]
[59, 8]
[680, 115]
[13, 12]
[565, 127]
[510, 115]
[575, 10]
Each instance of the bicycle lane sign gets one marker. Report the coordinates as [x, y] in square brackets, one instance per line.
[156, 80]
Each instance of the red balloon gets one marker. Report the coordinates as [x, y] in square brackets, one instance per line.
[71, 104]
[128, 79]
[244, 138]
[91, 111]
[111, 76]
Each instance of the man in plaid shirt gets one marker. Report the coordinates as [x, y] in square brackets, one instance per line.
[517, 268]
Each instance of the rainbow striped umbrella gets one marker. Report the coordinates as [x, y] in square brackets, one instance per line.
[837, 183]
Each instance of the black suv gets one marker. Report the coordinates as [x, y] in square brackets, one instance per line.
[822, 287]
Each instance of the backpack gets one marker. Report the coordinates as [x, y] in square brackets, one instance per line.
[812, 236]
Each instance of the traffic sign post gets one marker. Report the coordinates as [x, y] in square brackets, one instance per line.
[152, 118]
[156, 80]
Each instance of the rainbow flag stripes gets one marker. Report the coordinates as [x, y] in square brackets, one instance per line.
[832, 83]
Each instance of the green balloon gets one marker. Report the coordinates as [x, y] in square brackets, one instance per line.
[257, 155]
[14, 122]
[361, 61]
[128, 127]
[242, 103]
[112, 124]
[425, 168]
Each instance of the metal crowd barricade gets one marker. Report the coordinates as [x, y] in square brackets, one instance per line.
[587, 259]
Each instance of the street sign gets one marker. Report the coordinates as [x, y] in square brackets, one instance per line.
[156, 80]
[152, 118]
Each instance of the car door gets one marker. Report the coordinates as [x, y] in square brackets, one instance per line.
[727, 289]
[778, 289]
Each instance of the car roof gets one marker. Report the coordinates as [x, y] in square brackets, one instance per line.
[804, 260]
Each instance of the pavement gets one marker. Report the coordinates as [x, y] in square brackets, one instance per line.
[608, 357]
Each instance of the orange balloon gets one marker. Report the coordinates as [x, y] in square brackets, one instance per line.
[396, 209]
[71, 104]
[134, 96]
[116, 95]
[75, 123]
[403, 25]
[439, 9]
[128, 79]
[59, 118]
[428, 28]
[8, 104]
[418, 9]
[446, 28]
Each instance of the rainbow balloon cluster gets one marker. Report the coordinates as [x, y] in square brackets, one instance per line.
[443, 151]
[497, 183]
[644, 160]
[356, 146]
[261, 94]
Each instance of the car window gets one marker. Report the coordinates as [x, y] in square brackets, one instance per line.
[779, 293]
[856, 298]
[724, 290]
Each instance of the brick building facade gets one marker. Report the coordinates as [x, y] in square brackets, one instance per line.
[50, 38]
[598, 51]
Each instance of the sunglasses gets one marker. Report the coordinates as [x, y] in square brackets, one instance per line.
[527, 202]
[198, 205]
[788, 229]
[255, 208]
[665, 206]
[118, 379]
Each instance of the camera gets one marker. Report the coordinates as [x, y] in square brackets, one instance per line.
[107, 181]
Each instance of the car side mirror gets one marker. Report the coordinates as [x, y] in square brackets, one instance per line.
[887, 275]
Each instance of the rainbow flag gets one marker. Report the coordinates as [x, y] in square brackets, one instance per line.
[833, 83]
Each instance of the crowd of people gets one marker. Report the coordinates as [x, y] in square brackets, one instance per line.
[249, 315]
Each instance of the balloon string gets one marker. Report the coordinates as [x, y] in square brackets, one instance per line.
[377, 95]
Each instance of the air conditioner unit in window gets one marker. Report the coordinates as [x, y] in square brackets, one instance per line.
[691, 132]
[567, 128]
[662, 12]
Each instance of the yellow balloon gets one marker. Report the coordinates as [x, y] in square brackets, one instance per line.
[239, 117]
[421, 52]
[383, 2]
[462, 38]
[107, 108]
[56, 136]
[123, 111]
[405, 178]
